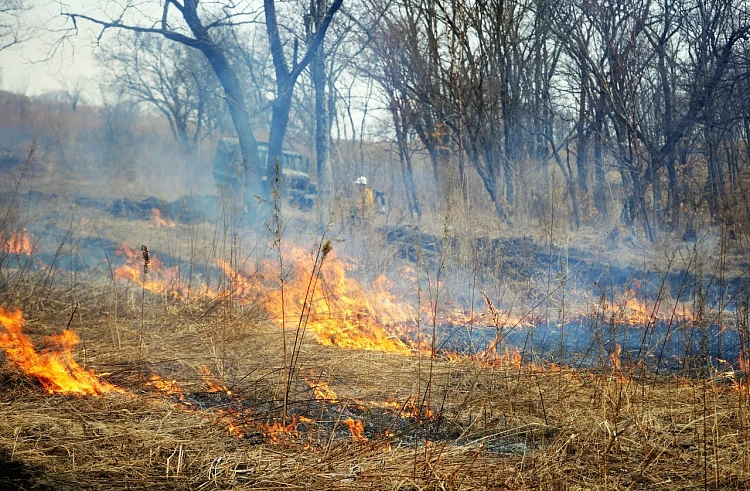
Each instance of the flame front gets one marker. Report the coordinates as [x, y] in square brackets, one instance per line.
[19, 243]
[55, 368]
[159, 279]
[632, 311]
[337, 308]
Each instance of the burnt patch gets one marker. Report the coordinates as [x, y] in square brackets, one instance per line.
[188, 209]
[15, 475]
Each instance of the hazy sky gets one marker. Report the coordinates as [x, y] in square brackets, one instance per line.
[43, 64]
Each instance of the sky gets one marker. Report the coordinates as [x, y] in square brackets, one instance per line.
[42, 64]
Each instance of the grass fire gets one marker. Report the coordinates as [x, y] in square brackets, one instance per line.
[243, 373]
[54, 366]
[382, 246]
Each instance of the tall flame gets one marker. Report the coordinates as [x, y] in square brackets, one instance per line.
[335, 307]
[636, 311]
[19, 243]
[357, 429]
[54, 366]
[614, 358]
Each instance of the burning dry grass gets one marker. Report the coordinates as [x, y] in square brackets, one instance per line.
[201, 385]
[360, 419]
[18, 243]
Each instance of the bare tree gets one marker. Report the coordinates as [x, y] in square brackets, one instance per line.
[286, 74]
[12, 29]
[652, 70]
[171, 78]
[195, 26]
[319, 78]
[184, 23]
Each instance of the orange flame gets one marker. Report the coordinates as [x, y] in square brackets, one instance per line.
[166, 387]
[408, 409]
[19, 243]
[212, 385]
[743, 383]
[633, 311]
[234, 420]
[318, 295]
[243, 286]
[157, 220]
[614, 358]
[55, 368]
[510, 358]
[158, 279]
[276, 432]
[233, 430]
[338, 309]
[322, 391]
[357, 429]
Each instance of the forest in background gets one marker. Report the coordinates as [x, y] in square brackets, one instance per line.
[632, 113]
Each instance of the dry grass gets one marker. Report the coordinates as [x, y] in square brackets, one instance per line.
[428, 423]
[491, 427]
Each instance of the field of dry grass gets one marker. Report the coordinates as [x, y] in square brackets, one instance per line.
[210, 393]
[426, 423]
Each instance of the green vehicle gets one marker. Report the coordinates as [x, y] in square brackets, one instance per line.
[295, 180]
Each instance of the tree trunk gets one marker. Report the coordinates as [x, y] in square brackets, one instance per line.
[639, 199]
[279, 122]
[401, 125]
[488, 175]
[582, 146]
[322, 137]
[286, 78]
[600, 177]
[715, 179]
[234, 95]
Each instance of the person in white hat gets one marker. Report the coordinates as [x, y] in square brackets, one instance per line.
[364, 206]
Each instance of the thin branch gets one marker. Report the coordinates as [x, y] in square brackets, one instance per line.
[116, 24]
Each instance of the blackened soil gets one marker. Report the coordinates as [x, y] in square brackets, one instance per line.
[16, 475]
[519, 259]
